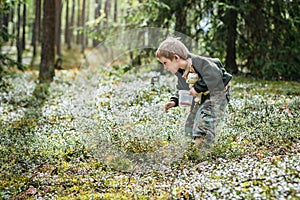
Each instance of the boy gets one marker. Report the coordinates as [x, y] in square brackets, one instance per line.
[210, 87]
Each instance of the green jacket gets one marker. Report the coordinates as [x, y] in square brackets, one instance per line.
[213, 76]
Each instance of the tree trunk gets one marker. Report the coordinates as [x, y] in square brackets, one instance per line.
[180, 23]
[107, 10]
[19, 39]
[47, 72]
[4, 25]
[67, 27]
[36, 26]
[58, 27]
[78, 22]
[86, 19]
[256, 27]
[115, 10]
[1, 37]
[72, 24]
[11, 18]
[24, 27]
[231, 26]
[278, 25]
[82, 40]
[97, 14]
[180, 10]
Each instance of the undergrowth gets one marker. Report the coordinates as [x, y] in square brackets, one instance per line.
[104, 135]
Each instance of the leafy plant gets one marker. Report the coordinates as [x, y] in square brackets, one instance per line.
[106, 136]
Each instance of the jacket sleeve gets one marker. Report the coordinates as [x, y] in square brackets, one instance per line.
[226, 76]
[211, 76]
[200, 86]
[181, 85]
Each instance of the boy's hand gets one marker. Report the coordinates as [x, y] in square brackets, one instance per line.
[193, 92]
[169, 105]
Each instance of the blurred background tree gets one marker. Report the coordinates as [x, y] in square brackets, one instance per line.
[258, 38]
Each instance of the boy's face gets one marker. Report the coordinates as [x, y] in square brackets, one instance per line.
[170, 65]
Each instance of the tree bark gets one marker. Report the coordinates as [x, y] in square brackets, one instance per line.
[58, 27]
[36, 26]
[180, 10]
[1, 30]
[78, 36]
[24, 27]
[106, 11]
[47, 72]
[180, 23]
[4, 23]
[72, 22]
[97, 14]
[256, 27]
[13, 31]
[67, 27]
[115, 10]
[19, 39]
[230, 21]
[82, 40]
[87, 18]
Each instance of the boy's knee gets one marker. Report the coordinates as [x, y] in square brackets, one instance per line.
[204, 133]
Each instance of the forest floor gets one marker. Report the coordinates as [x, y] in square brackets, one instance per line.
[103, 134]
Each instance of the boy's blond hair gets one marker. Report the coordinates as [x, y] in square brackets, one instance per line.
[170, 47]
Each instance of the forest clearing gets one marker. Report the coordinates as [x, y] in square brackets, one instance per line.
[83, 93]
[105, 136]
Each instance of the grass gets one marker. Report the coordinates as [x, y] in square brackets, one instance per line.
[105, 136]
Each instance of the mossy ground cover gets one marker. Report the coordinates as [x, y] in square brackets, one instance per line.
[104, 135]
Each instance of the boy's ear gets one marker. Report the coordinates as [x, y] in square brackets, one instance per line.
[176, 57]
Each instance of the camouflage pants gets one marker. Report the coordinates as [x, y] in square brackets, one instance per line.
[204, 119]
